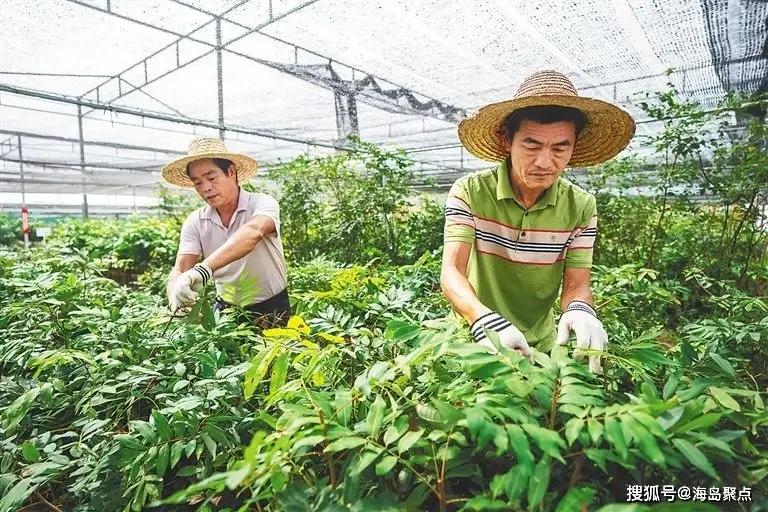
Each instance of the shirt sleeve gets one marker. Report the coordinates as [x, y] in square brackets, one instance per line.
[459, 219]
[268, 206]
[190, 237]
[579, 254]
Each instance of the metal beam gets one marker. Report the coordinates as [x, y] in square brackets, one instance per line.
[77, 166]
[372, 90]
[180, 38]
[158, 116]
[114, 145]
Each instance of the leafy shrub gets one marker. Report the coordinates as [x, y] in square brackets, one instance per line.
[375, 400]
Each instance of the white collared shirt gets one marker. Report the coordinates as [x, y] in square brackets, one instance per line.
[257, 276]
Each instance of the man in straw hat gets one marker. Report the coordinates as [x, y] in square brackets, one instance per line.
[237, 234]
[514, 233]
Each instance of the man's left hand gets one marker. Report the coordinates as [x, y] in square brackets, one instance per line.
[581, 318]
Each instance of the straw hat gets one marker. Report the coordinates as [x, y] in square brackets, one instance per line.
[608, 130]
[207, 147]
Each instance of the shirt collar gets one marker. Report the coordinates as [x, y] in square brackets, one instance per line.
[242, 200]
[504, 188]
[209, 212]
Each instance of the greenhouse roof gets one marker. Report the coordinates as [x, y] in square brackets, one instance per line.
[96, 95]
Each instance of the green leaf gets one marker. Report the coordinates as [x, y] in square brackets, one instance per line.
[549, 441]
[210, 444]
[578, 498]
[595, 430]
[366, 458]
[187, 471]
[572, 429]
[145, 430]
[408, 440]
[724, 398]
[345, 443]
[702, 422]
[279, 373]
[539, 483]
[181, 384]
[162, 426]
[129, 442]
[417, 497]
[615, 435]
[29, 452]
[695, 457]
[671, 385]
[483, 503]
[723, 364]
[209, 320]
[391, 435]
[516, 480]
[161, 463]
[13, 499]
[343, 405]
[18, 409]
[519, 442]
[258, 369]
[375, 417]
[647, 443]
[385, 465]
[277, 480]
[176, 450]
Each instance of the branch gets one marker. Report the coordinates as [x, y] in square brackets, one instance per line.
[51, 505]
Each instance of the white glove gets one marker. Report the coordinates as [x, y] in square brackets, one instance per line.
[509, 335]
[187, 285]
[581, 318]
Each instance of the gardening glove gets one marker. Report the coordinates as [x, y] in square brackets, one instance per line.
[509, 335]
[581, 318]
[188, 284]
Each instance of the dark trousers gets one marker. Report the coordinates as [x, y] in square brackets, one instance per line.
[273, 312]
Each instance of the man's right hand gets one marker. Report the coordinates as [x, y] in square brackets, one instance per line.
[187, 285]
[176, 308]
[510, 336]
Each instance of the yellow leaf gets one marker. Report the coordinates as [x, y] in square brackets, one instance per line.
[296, 322]
[309, 344]
[331, 337]
[281, 333]
[318, 378]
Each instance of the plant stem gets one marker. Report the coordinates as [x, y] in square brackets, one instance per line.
[328, 456]
[577, 471]
[51, 505]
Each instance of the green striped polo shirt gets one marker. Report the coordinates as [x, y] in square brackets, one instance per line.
[518, 256]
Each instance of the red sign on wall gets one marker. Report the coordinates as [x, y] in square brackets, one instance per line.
[25, 219]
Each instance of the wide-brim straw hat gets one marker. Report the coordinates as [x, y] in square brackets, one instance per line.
[607, 132]
[208, 147]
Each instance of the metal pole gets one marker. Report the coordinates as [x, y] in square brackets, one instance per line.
[220, 77]
[82, 158]
[23, 193]
[21, 172]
